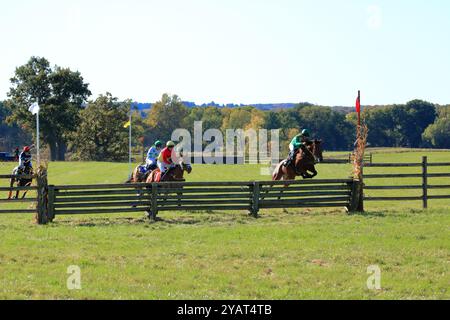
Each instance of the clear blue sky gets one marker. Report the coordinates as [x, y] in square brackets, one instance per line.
[238, 51]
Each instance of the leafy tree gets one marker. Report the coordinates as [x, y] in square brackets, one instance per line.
[257, 119]
[236, 118]
[272, 120]
[381, 126]
[165, 116]
[411, 120]
[60, 93]
[438, 134]
[11, 135]
[212, 118]
[101, 135]
[327, 124]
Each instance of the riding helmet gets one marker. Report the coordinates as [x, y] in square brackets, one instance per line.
[306, 133]
[170, 144]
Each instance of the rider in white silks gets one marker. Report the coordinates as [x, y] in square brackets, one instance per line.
[165, 159]
[152, 156]
[25, 159]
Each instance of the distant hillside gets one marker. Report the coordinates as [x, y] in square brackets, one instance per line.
[143, 107]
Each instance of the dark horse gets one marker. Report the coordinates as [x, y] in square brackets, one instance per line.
[21, 182]
[175, 174]
[305, 160]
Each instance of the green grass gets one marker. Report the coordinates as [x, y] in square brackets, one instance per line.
[294, 254]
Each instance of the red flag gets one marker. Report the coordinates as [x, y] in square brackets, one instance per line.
[358, 104]
[358, 107]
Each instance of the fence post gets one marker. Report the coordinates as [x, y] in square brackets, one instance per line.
[357, 197]
[425, 181]
[154, 210]
[51, 203]
[255, 202]
[42, 196]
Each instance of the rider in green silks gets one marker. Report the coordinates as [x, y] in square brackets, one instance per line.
[299, 142]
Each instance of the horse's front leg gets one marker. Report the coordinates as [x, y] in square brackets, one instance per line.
[26, 191]
[314, 172]
[11, 184]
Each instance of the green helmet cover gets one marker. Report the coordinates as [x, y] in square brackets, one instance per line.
[306, 133]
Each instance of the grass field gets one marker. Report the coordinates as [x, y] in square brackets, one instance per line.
[294, 254]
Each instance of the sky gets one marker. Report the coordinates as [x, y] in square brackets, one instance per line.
[238, 51]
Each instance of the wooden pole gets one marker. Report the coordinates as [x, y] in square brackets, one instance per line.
[38, 156]
[129, 147]
[255, 203]
[51, 203]
[425, 181]
[154, 211]
[42, 192]
[356, 199]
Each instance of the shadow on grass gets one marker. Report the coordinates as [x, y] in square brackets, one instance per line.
[172, 219]
[376, 214]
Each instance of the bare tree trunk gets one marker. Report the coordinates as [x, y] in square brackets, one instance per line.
[61, 150]
[53, 151]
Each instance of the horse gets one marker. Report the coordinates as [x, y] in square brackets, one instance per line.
[138, 176]
[21, 182]
[174, 174]
[305, 160]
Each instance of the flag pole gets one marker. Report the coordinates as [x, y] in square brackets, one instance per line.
[359, 111]
[37, 140]
[129, 147]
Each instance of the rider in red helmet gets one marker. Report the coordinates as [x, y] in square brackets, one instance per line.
[25, 159]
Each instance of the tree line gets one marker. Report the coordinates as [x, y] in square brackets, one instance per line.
[72, 124]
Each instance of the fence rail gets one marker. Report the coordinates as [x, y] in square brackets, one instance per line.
[424, 187]
[52, 200]
[197, 196]
[368, 159]
[13, 190]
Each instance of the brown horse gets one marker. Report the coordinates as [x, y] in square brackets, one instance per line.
[305, 160]
[137, 175]
[173, 174]
[21, 182]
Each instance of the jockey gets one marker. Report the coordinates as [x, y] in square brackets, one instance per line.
[165, 160]
[25, 159]
[152, 156]
[299, 142]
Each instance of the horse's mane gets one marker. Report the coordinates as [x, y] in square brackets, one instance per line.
[306, 153]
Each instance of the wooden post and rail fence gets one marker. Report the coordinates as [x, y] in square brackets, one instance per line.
[52, 200]
[425, 186]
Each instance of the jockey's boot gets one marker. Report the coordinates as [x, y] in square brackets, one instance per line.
[287, 162]
[163, 175]
[290, 159]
